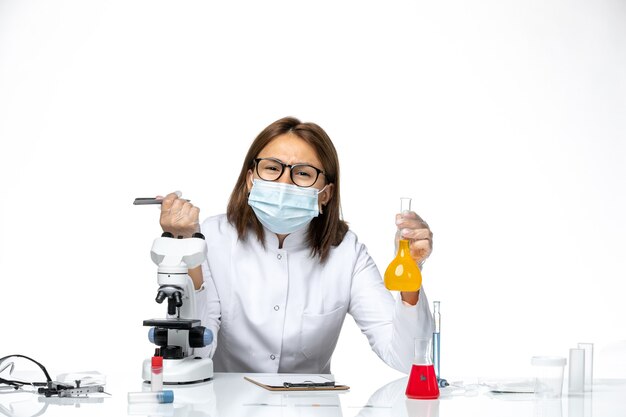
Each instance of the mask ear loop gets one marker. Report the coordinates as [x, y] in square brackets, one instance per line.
[323, 205]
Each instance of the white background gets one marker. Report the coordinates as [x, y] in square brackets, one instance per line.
[504, 120]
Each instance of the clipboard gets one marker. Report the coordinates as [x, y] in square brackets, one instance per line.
[296, 383]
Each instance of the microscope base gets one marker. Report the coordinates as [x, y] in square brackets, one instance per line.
[188, 370]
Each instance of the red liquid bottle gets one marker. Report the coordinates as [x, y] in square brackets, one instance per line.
[422, 383]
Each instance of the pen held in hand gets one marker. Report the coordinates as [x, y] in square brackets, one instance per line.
[140, 201]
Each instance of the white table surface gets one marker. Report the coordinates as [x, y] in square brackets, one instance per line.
[231, 395]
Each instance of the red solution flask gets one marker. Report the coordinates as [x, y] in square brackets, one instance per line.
[422, 383]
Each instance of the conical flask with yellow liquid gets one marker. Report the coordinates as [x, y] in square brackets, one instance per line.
[402, 274]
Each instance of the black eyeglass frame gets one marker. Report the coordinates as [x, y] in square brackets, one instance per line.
[291, 167]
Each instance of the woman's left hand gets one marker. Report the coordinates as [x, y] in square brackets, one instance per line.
[414, 229]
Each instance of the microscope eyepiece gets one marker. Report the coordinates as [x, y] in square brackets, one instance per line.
[178, 299]
[160, 297]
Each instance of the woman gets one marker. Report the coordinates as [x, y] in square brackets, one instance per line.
[283, 268]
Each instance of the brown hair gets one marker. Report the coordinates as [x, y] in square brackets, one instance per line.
[325, 230]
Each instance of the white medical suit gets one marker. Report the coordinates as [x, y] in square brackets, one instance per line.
[280, 310]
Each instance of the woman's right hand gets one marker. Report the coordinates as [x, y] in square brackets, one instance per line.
[178, 216]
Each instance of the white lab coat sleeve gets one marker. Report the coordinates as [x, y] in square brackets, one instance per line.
[209, 310]
[389, 325]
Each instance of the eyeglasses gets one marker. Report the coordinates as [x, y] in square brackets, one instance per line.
[303, 175]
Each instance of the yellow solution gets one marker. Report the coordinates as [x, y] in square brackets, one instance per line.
[402, 274]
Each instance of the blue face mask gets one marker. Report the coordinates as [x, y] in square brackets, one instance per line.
[283, 208]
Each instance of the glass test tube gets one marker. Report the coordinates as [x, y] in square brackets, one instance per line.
[155, 397]
[576, 375]
[436, 340]
[156, 377]
[588, 347]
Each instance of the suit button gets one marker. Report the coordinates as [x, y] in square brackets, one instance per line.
[272, 357]
[276, 308]
[279, 256]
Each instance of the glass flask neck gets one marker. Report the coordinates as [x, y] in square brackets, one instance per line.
[405, 204]
[403, 248]
[423, 351]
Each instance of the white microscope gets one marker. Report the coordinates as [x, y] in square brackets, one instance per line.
[180, 332]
